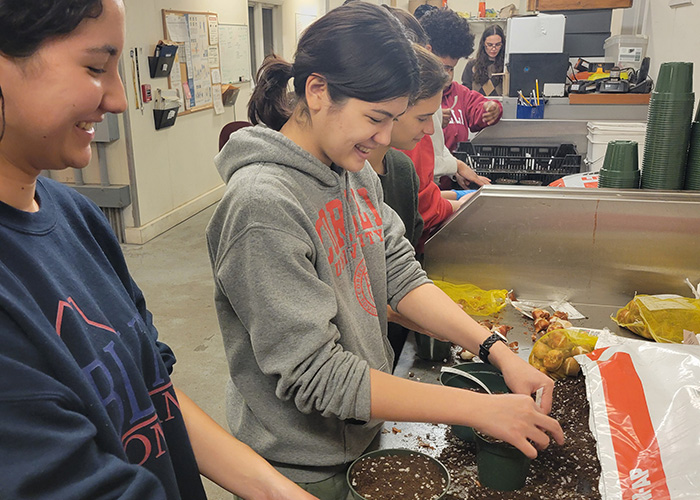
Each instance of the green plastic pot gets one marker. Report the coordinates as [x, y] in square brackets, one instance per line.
[432, 349]
[488, 374]
[500, 465]
[400, 452]
[675, 78]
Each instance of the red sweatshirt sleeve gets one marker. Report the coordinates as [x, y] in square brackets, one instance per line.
[432, 206]
[474, 108]
[467, 115]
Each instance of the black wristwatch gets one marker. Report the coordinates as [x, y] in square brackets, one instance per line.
[485, 346]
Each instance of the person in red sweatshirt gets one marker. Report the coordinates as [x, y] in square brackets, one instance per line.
[464, 110]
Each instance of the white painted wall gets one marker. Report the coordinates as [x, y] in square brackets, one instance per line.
[673, 36]
[173, 175]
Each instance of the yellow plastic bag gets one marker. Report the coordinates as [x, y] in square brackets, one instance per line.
[474, 300]
[660, 317]
[553, 353]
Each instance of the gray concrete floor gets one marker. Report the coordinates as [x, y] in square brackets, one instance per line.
[173, 272]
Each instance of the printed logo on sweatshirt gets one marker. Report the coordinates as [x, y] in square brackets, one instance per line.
[456, 117]
[330, 227]
[366, 229]
[108, 365]
[363, 290]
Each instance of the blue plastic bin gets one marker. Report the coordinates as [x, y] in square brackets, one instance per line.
[530, 112]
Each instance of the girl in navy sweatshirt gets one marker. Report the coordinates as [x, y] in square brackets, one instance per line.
[87, 406]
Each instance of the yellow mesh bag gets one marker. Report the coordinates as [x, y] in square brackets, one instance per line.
[553, 353]
[474, 300]
[660, 317]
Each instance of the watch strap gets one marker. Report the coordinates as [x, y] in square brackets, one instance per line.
[485, 347]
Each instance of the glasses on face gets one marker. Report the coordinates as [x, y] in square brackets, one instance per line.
[494, 45]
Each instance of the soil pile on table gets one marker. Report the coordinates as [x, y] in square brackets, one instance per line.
[398, 477]
[559, 472]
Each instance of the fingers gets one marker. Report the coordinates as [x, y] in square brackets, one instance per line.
[546, 403]
[528, 450]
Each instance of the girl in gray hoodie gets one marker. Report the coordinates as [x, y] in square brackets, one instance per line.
[306, 256]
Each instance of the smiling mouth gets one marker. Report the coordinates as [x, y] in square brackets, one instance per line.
[87, 126]
[363, 149]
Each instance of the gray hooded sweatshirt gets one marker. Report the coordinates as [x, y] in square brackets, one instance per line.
[305, 258]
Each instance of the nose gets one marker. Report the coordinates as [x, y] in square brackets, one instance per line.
[383, 136]
[114, 98]
[429, 128]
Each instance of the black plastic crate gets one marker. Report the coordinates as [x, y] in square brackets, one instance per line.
[532, 164]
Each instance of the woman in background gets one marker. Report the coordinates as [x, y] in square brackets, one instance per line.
[87, 406]
[481, 72]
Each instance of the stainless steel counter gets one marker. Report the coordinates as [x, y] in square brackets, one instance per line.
[594, 248]
[587, 246]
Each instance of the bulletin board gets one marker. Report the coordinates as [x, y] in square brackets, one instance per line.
[196, 71]
[234, 43]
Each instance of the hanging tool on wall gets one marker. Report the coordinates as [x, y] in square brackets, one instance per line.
[136, 76]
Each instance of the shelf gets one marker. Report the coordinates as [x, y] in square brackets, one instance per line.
[609, 98]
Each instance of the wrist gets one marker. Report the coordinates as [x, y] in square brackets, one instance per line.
[489, 347]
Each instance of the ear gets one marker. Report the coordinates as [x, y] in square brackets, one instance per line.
[429, 48]
[316, 92]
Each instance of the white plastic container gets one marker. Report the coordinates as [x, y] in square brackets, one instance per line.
[601, 133]
[627, 51]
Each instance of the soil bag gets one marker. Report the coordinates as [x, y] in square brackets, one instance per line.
[474, 300]
[645, 408]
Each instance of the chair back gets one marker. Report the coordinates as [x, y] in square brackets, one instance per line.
[229, 129]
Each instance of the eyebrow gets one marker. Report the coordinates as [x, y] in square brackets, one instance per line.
[387, 114]
[109, 49]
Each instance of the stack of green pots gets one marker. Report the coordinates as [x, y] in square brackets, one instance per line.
[692, 170]
[621, 166]
[668, 127]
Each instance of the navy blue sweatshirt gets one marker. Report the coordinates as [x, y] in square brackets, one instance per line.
[87, 408]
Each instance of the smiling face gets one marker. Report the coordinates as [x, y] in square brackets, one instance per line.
[415, 123]
[345, 133]
[493, 45]
[53, 98]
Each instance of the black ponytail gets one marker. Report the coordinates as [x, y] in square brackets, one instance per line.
[360, 49]
[270, 102]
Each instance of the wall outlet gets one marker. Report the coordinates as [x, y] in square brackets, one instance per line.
[679, 3]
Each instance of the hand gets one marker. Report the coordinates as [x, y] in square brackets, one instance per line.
[446, 116]
[491, 112]
[465, 175]
[516, 419]
[522, 378]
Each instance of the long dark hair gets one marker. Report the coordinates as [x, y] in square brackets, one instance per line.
[481, 66]
[26, 24]
[361, 51]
